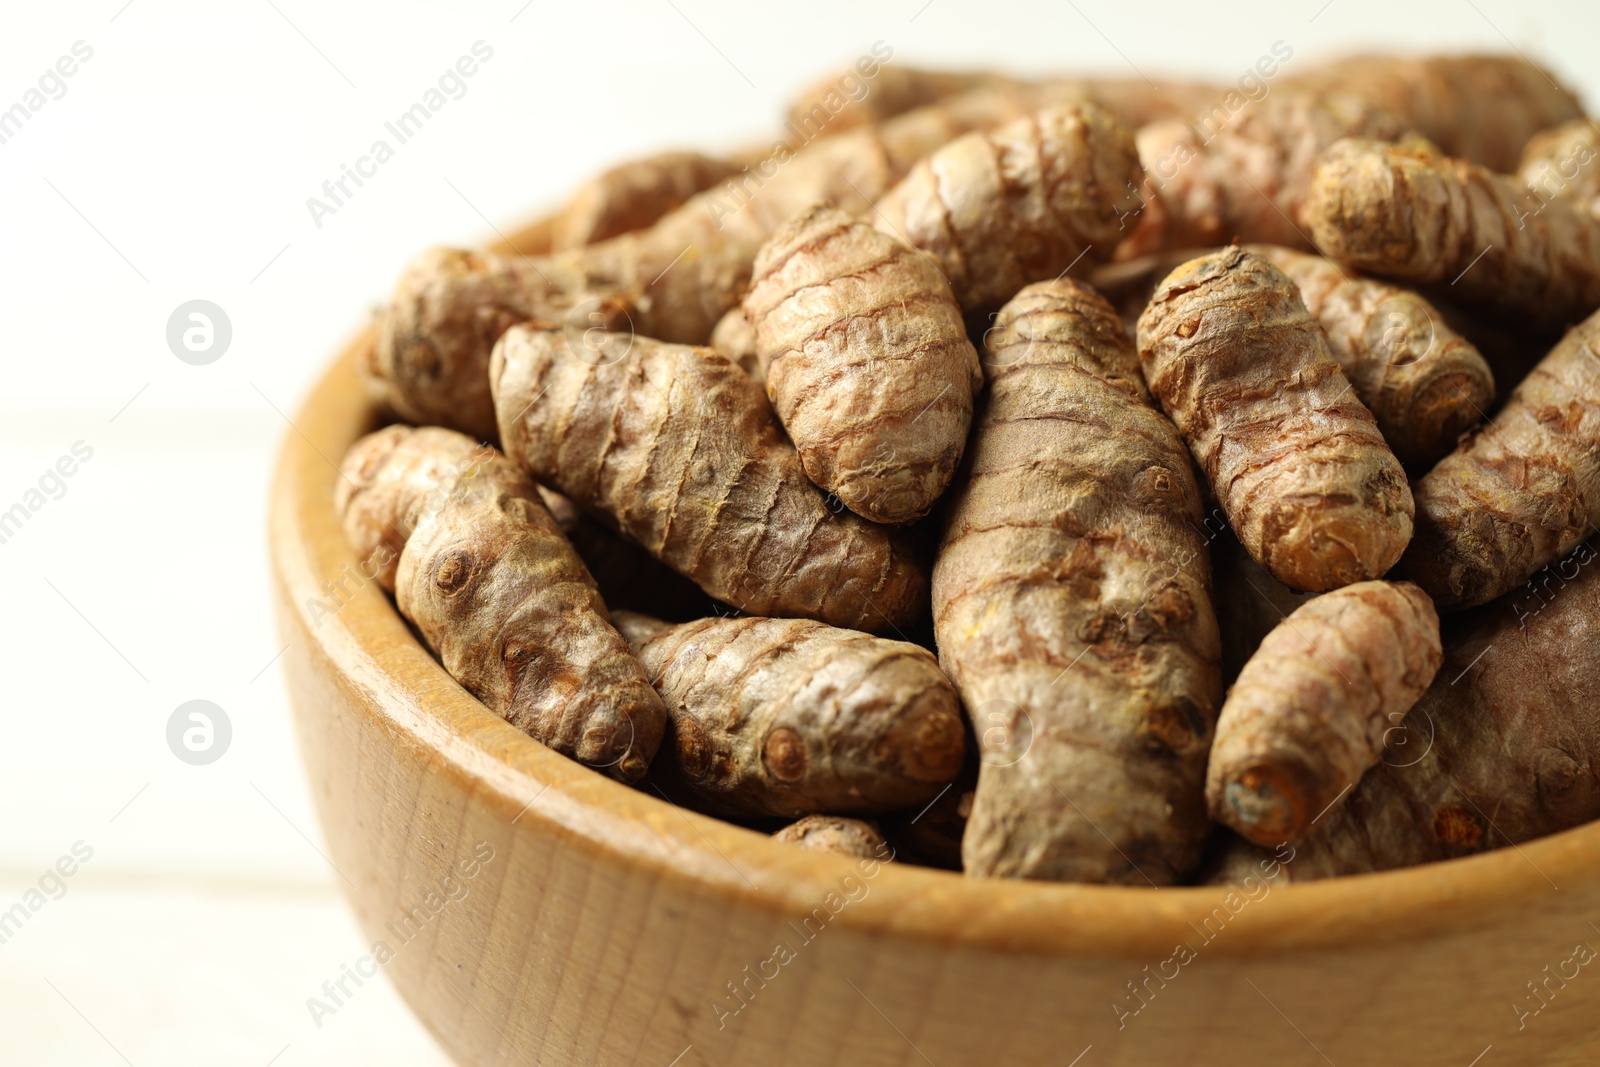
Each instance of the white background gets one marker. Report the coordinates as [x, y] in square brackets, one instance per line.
[177, 166]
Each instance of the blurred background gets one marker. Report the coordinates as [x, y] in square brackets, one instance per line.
[174, 164]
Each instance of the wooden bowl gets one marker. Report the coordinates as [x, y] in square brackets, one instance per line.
[532, 911]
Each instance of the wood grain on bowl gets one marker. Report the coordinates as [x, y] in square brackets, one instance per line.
[533, 911]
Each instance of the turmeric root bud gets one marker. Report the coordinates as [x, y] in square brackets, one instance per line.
[843, 837]
[1295, 459]
[789, 716]
[1312, 709]
[867, 362]
[499, 594]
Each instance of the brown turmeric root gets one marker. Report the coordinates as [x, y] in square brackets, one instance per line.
[671, 281]
[678, 448]
[1424, 383]
[1483, 108]
[497, 592]
[1559, 164]
[634, 195]
[1503, 748]
[1405, 211]
[790, 717]
[868, 365]
[1246, 178]
[1049, 194]
[735, 339]
[831, 833]
[1072, 606]
[1313, 707]
[1520, 493]
[1292, 455]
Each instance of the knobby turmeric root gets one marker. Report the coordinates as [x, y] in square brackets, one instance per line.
[1478, 107]
[1424, 383]
[1406, 211]
[678, 449]
[867, 362]
[1313, 707]
[1520, 493]
[496, 591]
[1072, 607]
[1244, 179]
[1292, 455]
[1048, 194]
[830, 833]
[671, 281]
[791, 717]
[634, 195]
[1503, 748]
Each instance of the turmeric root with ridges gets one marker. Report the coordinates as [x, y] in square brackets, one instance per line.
[678, 448]
[1292, 455]
[1245, 178]
[1503, 748]
[791, 717]
[868, 365]
[1521, 492]
[1560, 164]
[1313, 707]
[672, 281]
[1072, 607]
[1478, 107]
[1405, 211]
[634, 195]
[830, 833]
[1050, 193]
[388, 479]
[1424, 383]
[496, 591]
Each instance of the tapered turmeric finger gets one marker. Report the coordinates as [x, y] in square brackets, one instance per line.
[1408, 212]
[1294, 458]
[1222, 178]
[1520, 493]
[1072, 608]
[498, 593]
[1424, 383]
[1049, 194]
[789, 716]
[678, 448]
[1563, 163]
[1501, 749]
[1313, 708]
[635, 194]
[867, 362]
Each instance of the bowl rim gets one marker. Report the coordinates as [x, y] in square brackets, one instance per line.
[377, 658]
